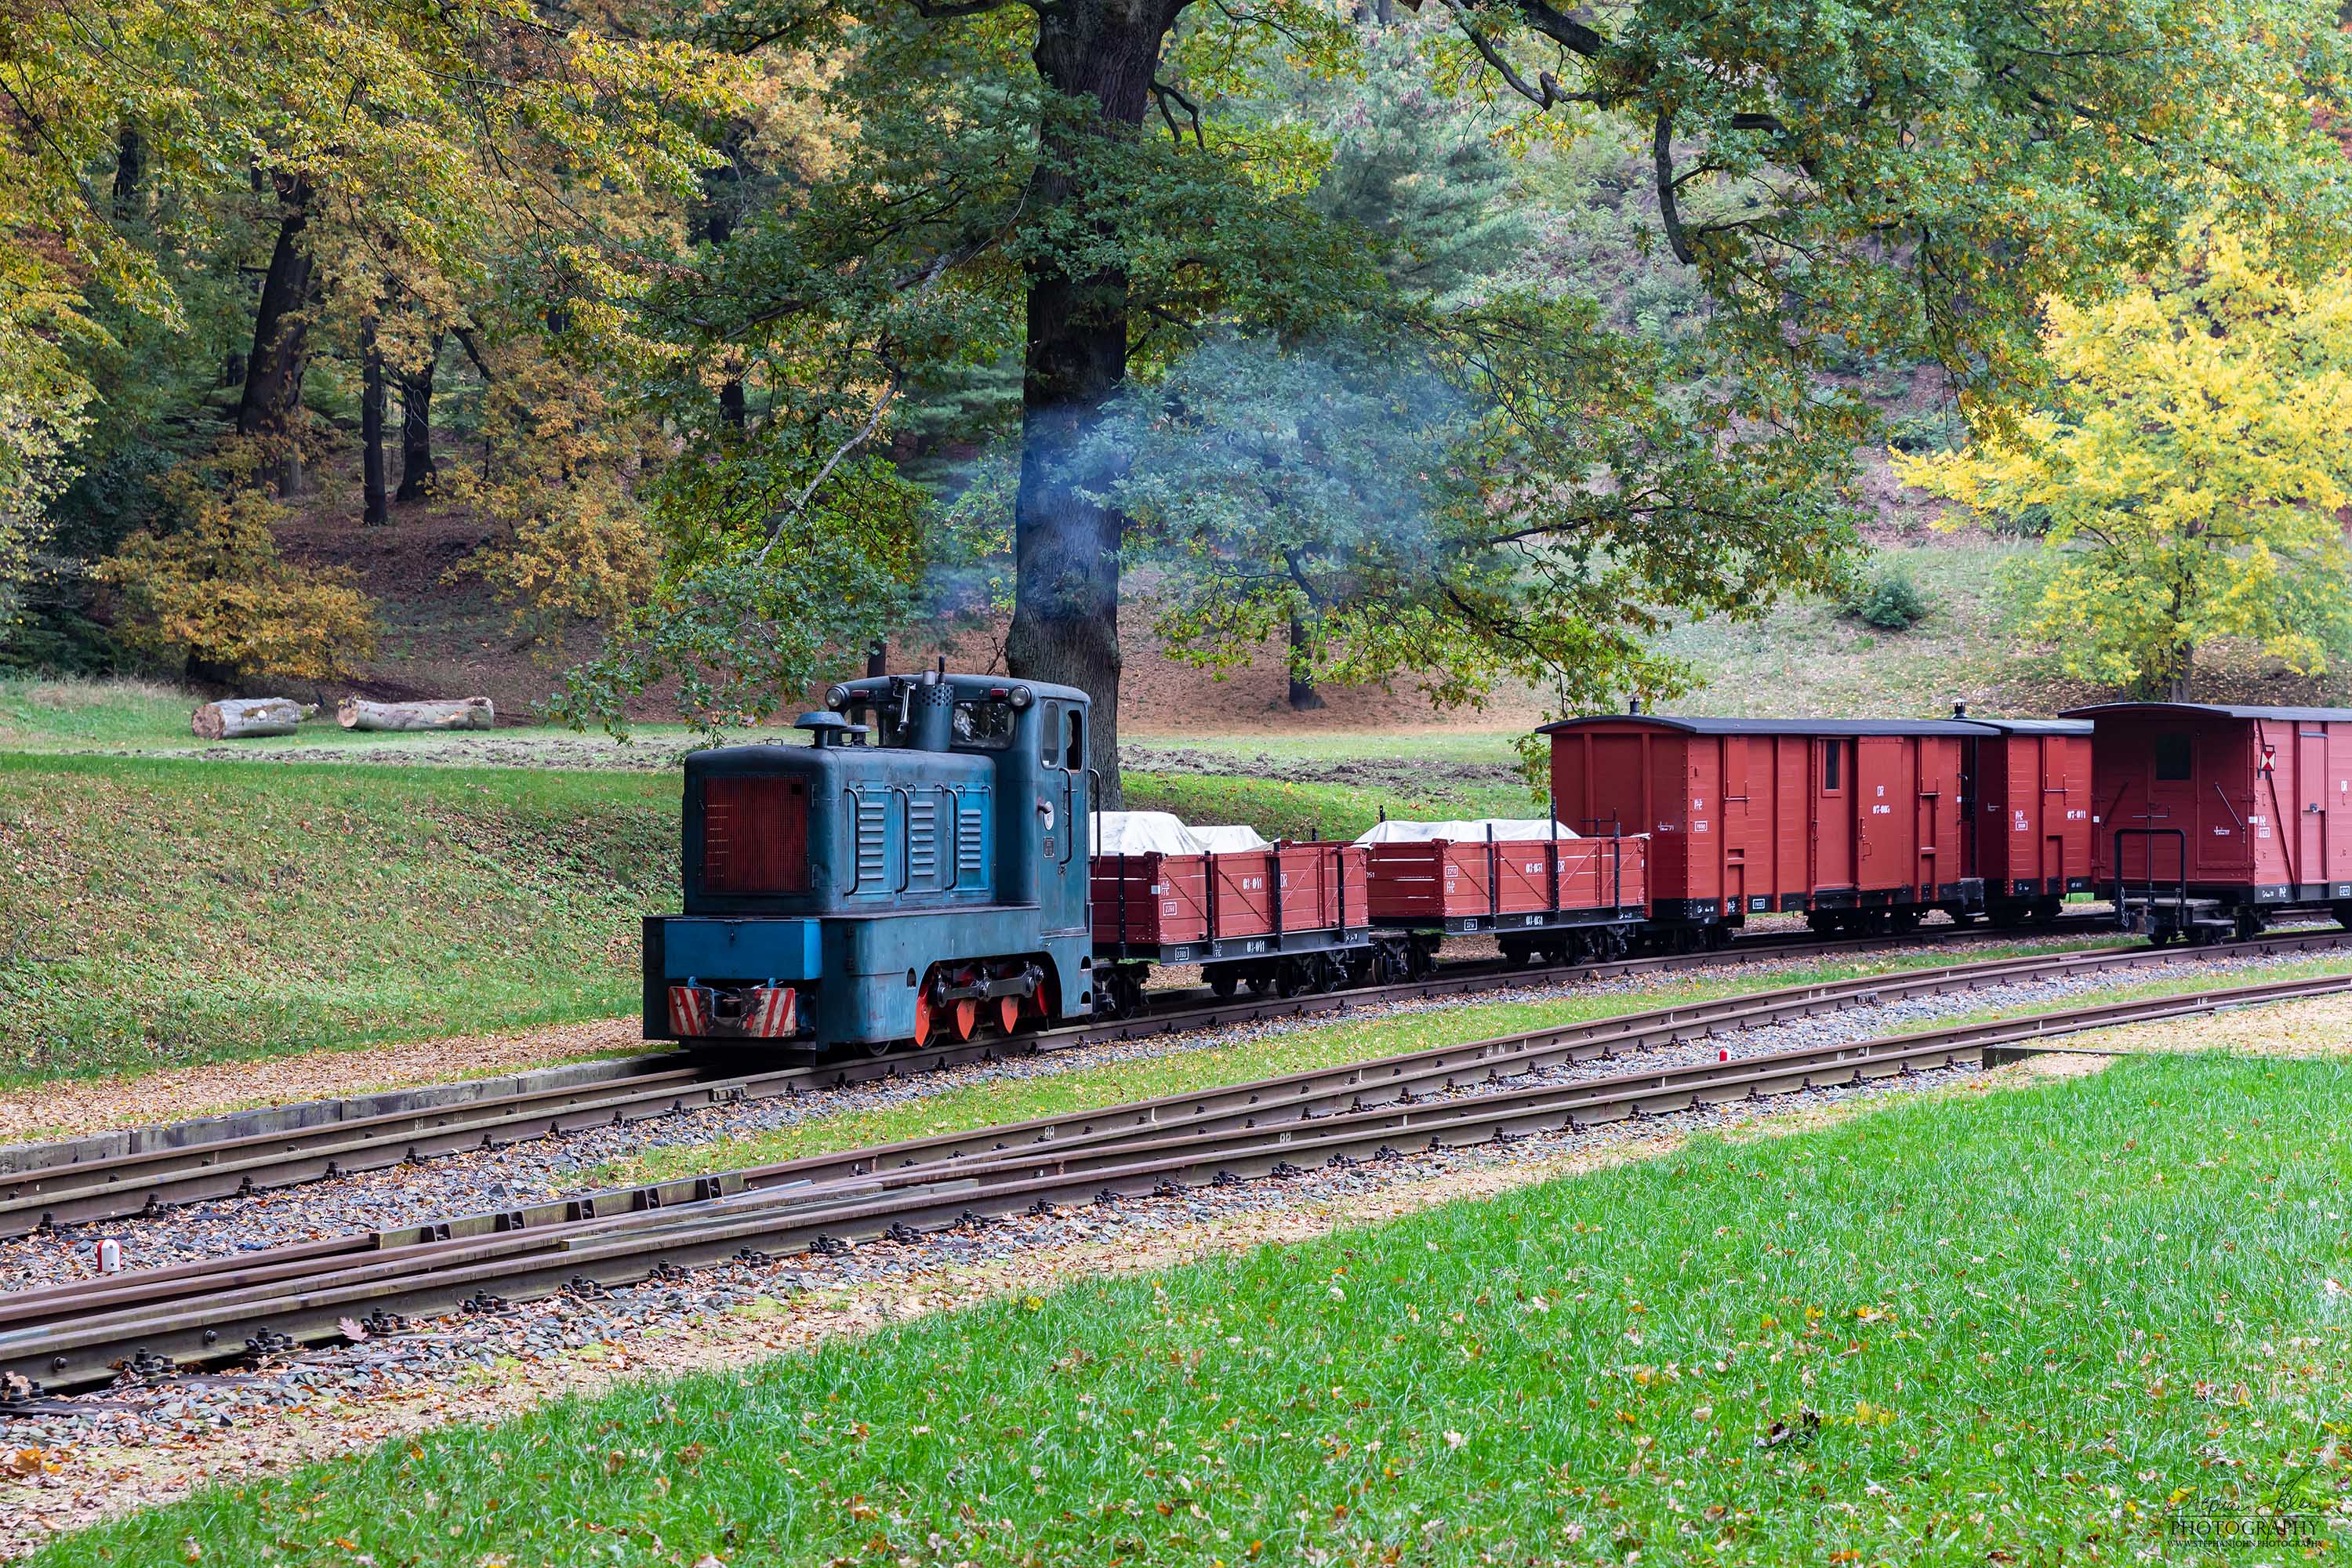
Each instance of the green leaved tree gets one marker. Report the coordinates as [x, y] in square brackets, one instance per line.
[1093, 190]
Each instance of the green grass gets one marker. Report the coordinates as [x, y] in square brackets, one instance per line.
[1965, 1328]
[66, 713]
[1332, 1044]
[51, 712]
[1805, 659]
[162, 912]
[1283, 809]
[1418, 744]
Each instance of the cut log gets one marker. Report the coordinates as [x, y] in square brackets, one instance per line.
[240, 716]
[463, 713]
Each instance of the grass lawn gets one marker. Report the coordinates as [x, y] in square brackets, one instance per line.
[1330, 1044]
[162, 912]
[1969, 1328]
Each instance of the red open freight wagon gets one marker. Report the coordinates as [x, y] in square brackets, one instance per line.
[1856, 823]
[2213, 819]
[1564, 895]
[1288, 917]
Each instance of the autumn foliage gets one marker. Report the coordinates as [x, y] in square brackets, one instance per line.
[210, 590]
[2191, 458]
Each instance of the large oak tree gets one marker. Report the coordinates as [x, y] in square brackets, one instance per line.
[1089, 190]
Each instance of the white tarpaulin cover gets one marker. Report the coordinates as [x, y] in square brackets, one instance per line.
[1506, 830]
[1160, 833]
[1142, 833]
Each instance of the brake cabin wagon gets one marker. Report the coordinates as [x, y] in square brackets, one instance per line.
[2212, 819]
[1855, 823]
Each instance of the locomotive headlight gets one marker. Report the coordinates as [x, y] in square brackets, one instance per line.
[836, 698]
[1021, 696]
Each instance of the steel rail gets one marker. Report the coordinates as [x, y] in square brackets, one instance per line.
[168, 1174]
[1306, 1093]
[619, 1249]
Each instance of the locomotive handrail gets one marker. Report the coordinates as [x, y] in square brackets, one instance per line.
[1069, 815]
[905, 838]
[2182, 834]
[853, 798]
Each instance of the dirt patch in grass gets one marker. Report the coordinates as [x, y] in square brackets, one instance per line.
[75, 1109]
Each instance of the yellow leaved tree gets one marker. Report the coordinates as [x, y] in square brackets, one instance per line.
[2191, 458]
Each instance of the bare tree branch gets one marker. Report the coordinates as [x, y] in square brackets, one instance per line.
[1662, 155]
[865, 432]
[1162, 93]
[1544, 94]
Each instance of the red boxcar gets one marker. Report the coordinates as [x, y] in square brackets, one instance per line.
[2211, 818]
[1857, 823]
[2029, 789]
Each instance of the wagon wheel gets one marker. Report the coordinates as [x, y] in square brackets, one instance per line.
[964, 1016]
[1224, 983]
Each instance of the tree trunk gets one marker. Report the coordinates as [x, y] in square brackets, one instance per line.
[1065, 543]
[721, 199]
[241, 716]
[1304, 697]
[416, 468]
[281, 343]
[2184, 668]
[130, 172]
[378, 504]
[461, 713]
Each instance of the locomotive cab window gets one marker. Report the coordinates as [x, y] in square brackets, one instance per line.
[1833, 768]
[2172, 759]
[984, 724]
[1049, 733]
[882, 727]
[1074, 747]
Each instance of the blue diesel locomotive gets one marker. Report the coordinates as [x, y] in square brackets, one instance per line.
[918, 869]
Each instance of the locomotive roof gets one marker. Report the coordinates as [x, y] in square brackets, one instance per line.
[2216, 711]
[1775, 726]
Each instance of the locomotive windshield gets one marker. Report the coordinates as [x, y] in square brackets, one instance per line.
[981, 723]
[985, 723]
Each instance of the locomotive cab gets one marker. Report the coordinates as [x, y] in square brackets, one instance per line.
[918, 869]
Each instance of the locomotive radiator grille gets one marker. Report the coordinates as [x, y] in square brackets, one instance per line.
[873, 840]
[755, 836]
[922, 842]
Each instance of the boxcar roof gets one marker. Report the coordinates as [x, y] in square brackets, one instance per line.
[2034, 726]
[2215, 711]
[1776, 726]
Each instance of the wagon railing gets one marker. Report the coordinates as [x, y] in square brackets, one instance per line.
[2148, 883]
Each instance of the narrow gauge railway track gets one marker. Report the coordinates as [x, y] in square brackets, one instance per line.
[78, 1335]
[52, 1186]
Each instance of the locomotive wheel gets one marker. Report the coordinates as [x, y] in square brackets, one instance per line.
[923, 1018]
